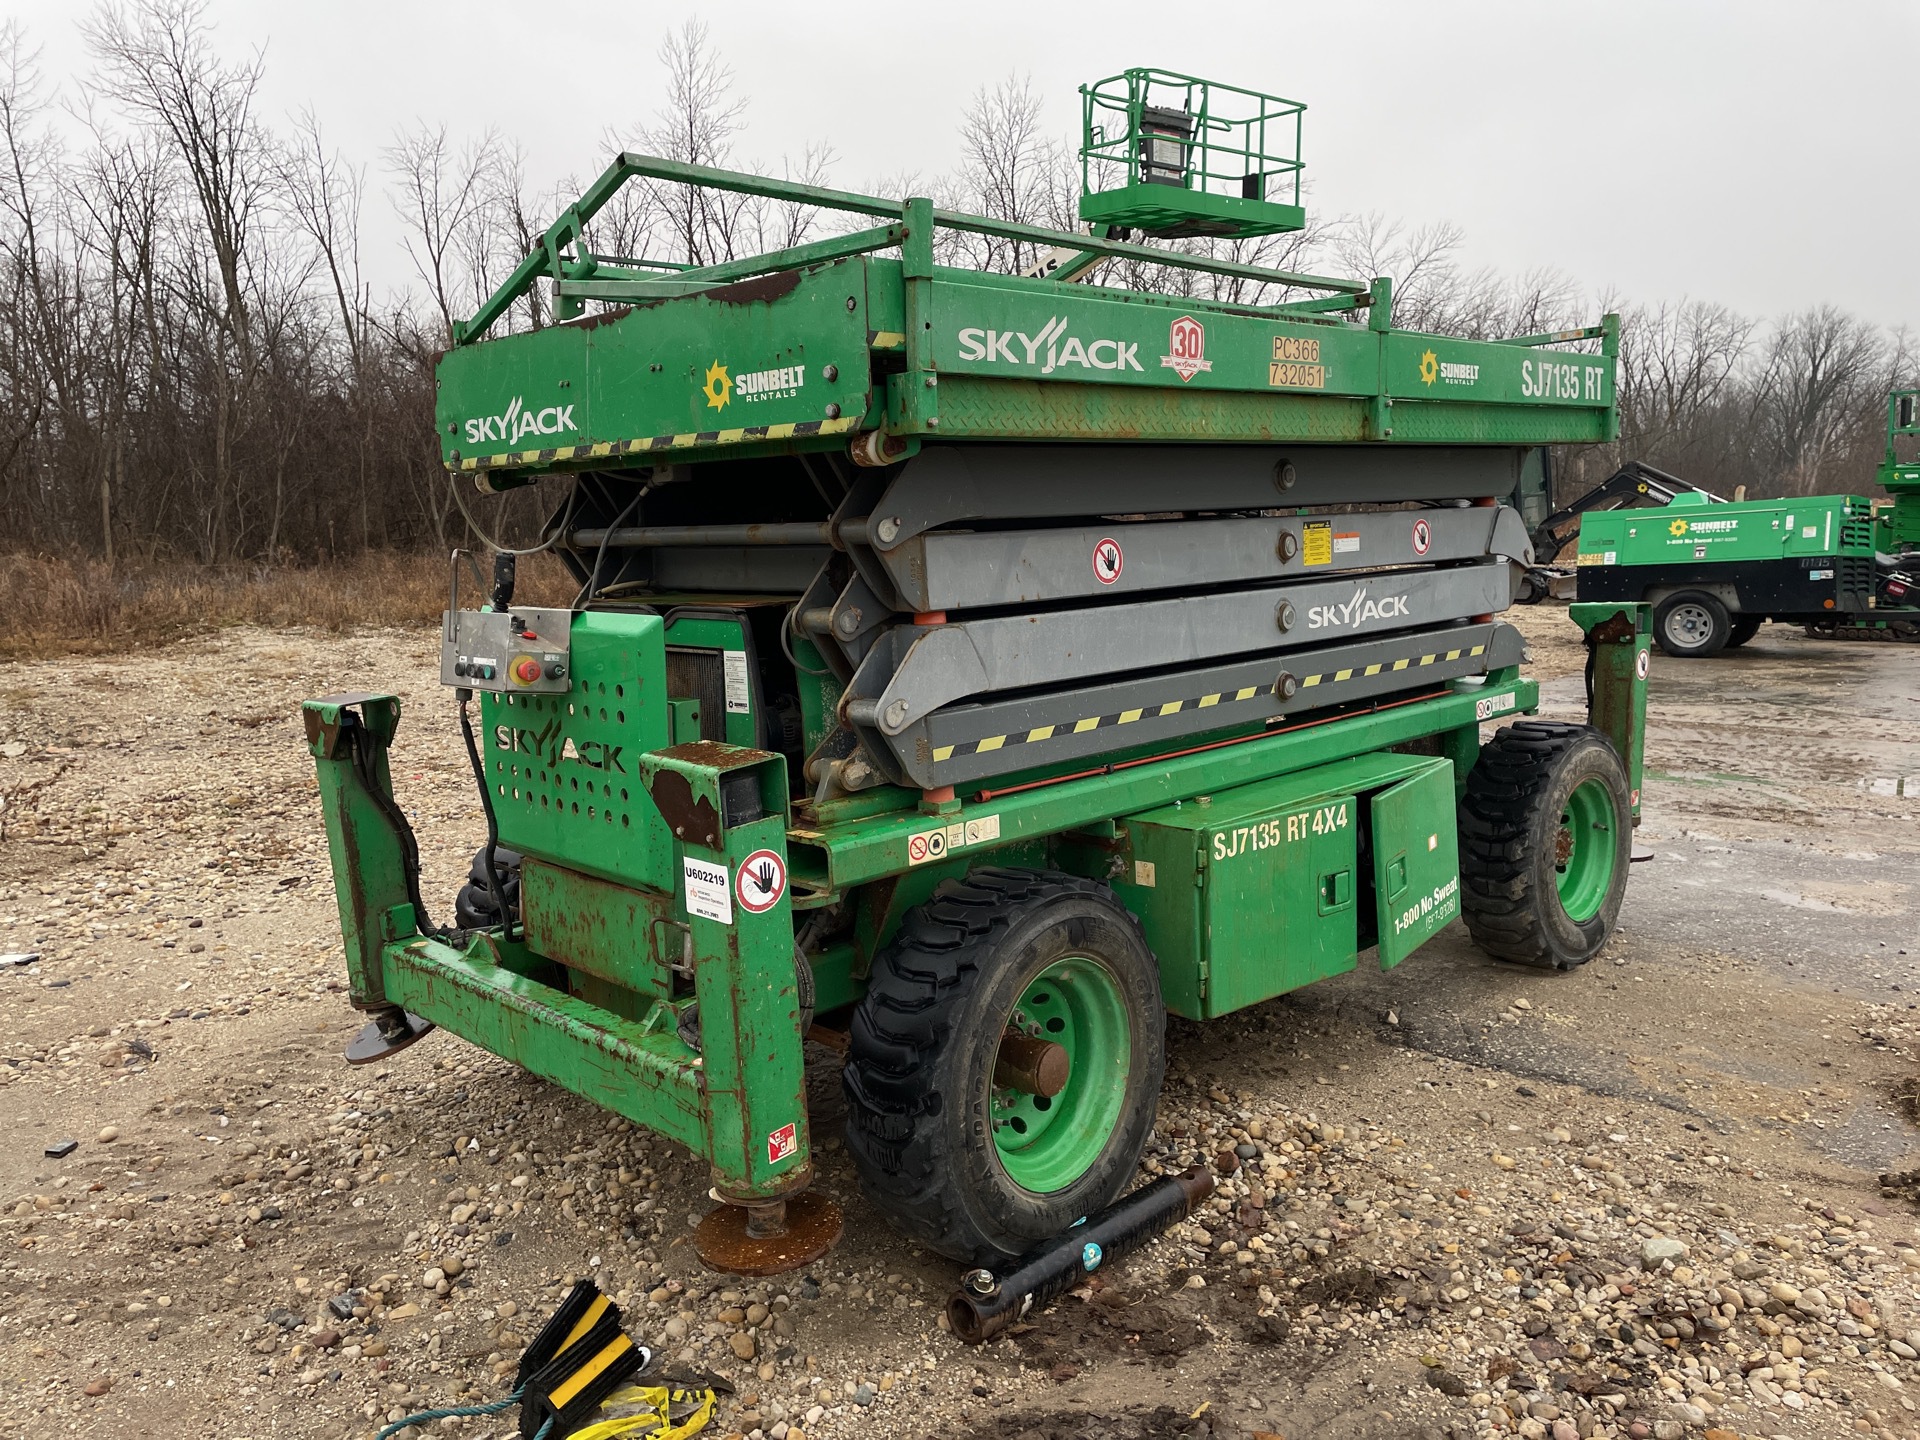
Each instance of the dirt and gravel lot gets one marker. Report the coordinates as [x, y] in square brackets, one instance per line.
[1669, 1195]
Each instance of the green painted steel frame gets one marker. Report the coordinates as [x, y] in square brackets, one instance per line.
[626, 387]
[1620, 646]
[837, 859]
[560, 253]
[733, 1100]
[740, 1100]
[1254, 134]
[1901, 478]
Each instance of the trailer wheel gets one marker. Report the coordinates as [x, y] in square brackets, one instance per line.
[1546, 829]
[1744, 628]
[1692, 625]
[968, 1164]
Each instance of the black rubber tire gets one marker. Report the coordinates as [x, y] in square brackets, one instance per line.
[1719, 625]
[1509, 821]
[919, 1070]
[1744, 628]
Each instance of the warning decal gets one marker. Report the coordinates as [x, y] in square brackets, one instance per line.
[1107, 561]
[760, 881]
[707, 894]
[1422, 537]
[1316, 543]
[782, 1144]
[928, 845]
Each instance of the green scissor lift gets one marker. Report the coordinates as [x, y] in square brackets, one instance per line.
[970, 669]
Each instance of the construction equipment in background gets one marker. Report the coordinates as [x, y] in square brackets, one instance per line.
[1635, 483]
[1899, 473]
[969, 670]
[1840, 565]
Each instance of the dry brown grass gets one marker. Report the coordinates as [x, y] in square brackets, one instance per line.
[54, 605]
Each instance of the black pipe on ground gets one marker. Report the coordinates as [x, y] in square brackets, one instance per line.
[986, 1303]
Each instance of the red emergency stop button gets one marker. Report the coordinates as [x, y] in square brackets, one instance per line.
[526, 670]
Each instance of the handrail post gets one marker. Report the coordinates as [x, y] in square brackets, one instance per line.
[918, 388]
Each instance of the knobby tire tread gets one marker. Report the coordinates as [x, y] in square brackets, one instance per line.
[1515, 771]
[899, 1031]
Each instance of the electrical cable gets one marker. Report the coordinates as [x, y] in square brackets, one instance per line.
[786, 642]
[458, 1412]
[494, 888]
[593, 575]
[559, 529]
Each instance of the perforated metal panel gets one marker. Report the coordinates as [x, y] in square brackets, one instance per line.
[564, 769]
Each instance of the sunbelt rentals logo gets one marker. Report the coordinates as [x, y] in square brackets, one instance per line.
[517, 422]
[752, 386]
[1433, 368]
[1356, 612]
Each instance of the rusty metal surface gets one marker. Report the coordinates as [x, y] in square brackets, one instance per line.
[713, 754]
[761, 289]
[376, 1041]
[319, 728]
[690, 817]
[596, 927]
[1030, 1064]
[812, 1229]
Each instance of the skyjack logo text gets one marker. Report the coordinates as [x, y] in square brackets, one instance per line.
[1356, 612]
[1052, 349]
[519, 422]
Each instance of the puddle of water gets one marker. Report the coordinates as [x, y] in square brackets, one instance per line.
[1895, 785]
[1802, 902]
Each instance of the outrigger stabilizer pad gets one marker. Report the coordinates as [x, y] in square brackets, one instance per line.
[579, 1358]
[770, 1238]
[388, 1033]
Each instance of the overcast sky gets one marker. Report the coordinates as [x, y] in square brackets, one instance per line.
[1762, 154]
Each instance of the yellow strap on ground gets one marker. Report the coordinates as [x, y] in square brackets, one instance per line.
[651, 1420]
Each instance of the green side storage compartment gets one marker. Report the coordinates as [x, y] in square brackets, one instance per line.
[1259, 890]
[1416, 862]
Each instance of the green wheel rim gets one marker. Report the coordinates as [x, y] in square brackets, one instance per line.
[1584, 852]
[1046, 1144]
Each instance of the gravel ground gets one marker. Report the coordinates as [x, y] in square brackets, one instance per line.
[1669, 1195]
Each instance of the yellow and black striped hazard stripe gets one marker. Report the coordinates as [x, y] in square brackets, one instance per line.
[988, 744]
[687, 440]
[1409, 662]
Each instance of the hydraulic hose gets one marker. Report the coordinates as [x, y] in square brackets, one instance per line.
[361, 745]
[494, 888]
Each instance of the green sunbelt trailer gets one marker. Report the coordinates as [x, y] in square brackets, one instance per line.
[1714, 571]
[971, 669]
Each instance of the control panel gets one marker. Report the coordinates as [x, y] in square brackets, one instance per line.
[520, 649]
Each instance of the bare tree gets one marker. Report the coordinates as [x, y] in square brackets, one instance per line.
[1012, 169]
[192, 358]
[1820, 370]
[158, 61]
[324, 194]
[696, 123]
[440, 192]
